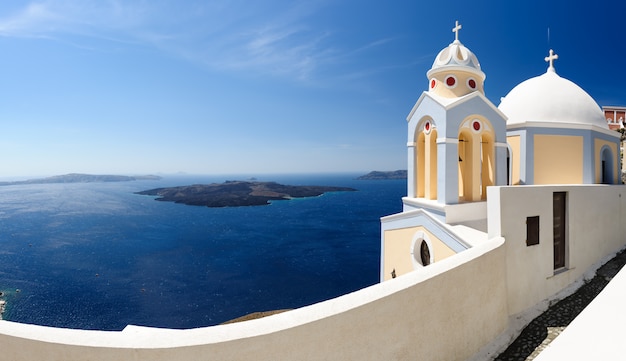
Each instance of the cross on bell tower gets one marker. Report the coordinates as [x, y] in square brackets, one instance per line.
[456, 29]
[550, 59]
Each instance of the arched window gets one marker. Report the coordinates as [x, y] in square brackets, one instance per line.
[421, 250]
[420, 168]
[606, 166]
[425, 253]
[476, 159]
[431, 192]
[426, 160]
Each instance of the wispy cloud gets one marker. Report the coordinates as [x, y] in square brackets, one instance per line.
[222, 35]
[283, 49]
[35, 19]
[275, 41]
[235, 35]
[58, 19]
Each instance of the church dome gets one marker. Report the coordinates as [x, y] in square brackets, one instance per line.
[456, 57]
[550, 98]
[455, 71]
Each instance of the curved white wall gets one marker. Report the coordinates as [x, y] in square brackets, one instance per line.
[595, 232]
[401, 319]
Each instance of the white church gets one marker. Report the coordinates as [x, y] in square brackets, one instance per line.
[546, 131]
[508, 208]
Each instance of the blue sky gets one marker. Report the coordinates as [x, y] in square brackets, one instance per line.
[253, 87]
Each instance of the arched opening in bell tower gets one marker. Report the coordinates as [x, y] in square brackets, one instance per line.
[420, 169]
[426, 160]
[476, 160]
[432, 165]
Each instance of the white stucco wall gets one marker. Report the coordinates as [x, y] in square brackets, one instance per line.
[446, 311]
[595, 232]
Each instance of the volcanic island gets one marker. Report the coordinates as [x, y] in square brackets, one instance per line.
[237, 193]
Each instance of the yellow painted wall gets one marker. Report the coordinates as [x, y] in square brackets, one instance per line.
[420, 168]
[426, 165]
[558, 159]
[397, 252]
[462, 166]
[598, 144]
[488, 171]
[476, 164]
[514, 143]
[469, 166]
[431, 165]
[461, 84]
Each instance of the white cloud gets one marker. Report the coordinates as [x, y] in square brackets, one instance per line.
[34, 20]
[57, 19]
[260, 38]
[223, 35]
[287, 49]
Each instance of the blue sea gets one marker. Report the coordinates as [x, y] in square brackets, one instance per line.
[98, 256]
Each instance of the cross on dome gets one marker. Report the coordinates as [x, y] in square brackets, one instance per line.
[551, 58]
[456, 29]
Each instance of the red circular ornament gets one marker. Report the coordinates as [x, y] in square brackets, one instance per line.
[476, 126]
[432, 84]
[450, 81]
[472, 83]
[427, 126]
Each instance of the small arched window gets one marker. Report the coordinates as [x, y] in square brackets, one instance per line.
[421, 250]
[425, 253]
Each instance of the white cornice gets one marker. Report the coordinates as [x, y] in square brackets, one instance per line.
[560, 125]
[449, 103]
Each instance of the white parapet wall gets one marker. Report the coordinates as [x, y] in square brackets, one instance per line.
[446, 311]
[595, 231]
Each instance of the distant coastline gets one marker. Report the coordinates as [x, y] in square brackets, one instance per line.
[237, 193]
[81, 178]
[380, 175]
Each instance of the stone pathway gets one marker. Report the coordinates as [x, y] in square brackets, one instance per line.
[546, 327]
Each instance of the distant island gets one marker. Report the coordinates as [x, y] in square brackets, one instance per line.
[237, 193]
[378, 175]
[81, 178]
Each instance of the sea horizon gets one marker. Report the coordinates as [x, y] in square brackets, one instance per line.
[219, 175]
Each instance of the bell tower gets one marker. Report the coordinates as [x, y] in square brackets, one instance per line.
[456, 136]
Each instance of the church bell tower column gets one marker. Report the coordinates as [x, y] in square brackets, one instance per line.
[411, 181]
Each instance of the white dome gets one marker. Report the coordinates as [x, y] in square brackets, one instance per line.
[456, 57]
[550, 98]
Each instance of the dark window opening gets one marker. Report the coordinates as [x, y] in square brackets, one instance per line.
[560, 227]
[509, 180]
[532, 231]
[425, 254]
